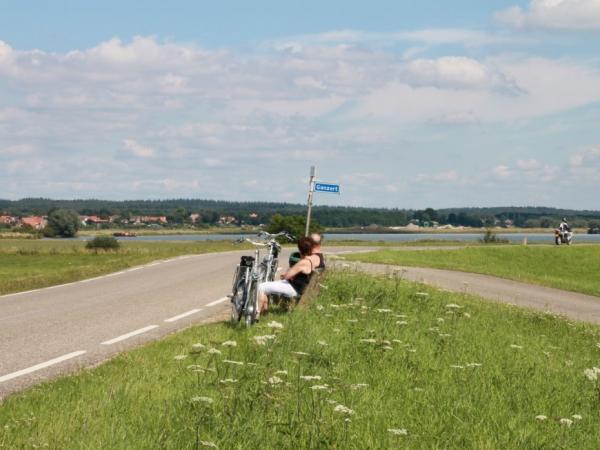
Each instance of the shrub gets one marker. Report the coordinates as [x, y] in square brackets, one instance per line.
[103, 243]
[492, 238]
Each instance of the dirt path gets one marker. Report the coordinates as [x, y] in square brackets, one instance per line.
[585, 308]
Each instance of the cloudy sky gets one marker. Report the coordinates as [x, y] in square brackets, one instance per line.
[406, 104]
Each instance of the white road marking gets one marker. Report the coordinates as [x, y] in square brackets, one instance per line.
[153, 264]
[128, 335]
[40, 366]
[181, 316]
[133, 269]
[216, 302]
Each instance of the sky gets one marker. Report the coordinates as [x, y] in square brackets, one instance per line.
[404, 104]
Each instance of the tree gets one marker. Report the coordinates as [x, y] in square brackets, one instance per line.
[294, 225]
[62, 222]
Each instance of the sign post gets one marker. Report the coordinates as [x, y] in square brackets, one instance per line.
[311, 190]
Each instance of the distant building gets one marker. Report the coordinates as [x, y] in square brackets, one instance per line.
[253, 215]
[8, 220]
[149, 219]
[227, 220]
[35, 222]
[92, 220]
[194, 217]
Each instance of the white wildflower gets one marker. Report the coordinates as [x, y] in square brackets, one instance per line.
[358, 386]
[208, 444]
[262, 340]
[352, 320]
[229, 344]
[237, 363]
[598, 345]
[198, 346]
[467, 315]
[453, 306]
[439, 320]
[418, 389]
[369, 341]
[422, 294]
[301, 353]
[516, 346]
[567, 422]
[323, 343]
[444, 335]
[214, 351]
[202, 399]
[343, 409]
[310, 377]
[577, 416]
[332, 402]
[180, 357]
[398, 431]
[541, 417]
[411, 350]
[320, 307]
[400, 316]
[474, 365]
[281, 372]
[195, 367]
[383, 310]
[397, 341]
[336, 330]
[228, 381]
[387, 347]
[457, 366]
[401, 322]
[274, 324]
[320, 387]
[275, 380]
[590, 374]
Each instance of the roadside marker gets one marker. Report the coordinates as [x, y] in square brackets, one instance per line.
[181, 316]
[128, 335]
[41, 366]
[216, 302]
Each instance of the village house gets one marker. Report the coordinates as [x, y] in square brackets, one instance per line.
[137, 220]
[227, 220]
[92, 220]
[8, 220]
[35, 222]
[194, 217]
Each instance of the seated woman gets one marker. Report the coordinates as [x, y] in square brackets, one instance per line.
[294, 281]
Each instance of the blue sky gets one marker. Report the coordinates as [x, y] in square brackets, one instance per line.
[406, 104]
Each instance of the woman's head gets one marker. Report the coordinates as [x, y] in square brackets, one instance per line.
[305, 246]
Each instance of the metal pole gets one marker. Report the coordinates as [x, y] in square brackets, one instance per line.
[311, 190]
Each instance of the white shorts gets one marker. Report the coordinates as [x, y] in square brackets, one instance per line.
[281, 287]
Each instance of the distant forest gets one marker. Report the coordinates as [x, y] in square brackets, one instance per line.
[253, 213]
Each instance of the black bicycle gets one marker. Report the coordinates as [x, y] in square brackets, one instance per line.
[250, 272]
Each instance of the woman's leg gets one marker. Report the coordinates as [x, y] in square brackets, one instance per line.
[282, 287]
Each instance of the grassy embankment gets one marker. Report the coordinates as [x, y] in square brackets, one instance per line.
[574, 268]
[371, 363]
[31, 264]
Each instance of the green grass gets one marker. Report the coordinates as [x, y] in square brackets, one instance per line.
[31, 264]
[474, 376]
[575, 268]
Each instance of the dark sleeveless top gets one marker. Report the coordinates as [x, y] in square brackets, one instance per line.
[301, 280]
[321, 261]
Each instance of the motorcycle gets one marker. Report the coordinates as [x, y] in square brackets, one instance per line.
[563, 237]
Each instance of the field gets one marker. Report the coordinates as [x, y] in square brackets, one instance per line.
[575, 268]
[369, 363]
[30, 264]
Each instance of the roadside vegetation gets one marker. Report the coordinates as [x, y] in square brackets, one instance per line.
[31, 264]
[574, 268]
[370, 363]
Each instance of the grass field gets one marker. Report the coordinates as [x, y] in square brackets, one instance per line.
[30, 264]
[575, 268]
[371, 363]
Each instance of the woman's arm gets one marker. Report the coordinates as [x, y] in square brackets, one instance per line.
[301, 266]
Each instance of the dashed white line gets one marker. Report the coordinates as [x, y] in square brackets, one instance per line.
[181, 316]
[216, 302]
[153, 264]
[40, 366]
[128, 335]
[133, 269]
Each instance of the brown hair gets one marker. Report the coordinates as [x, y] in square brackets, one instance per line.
[305, 245]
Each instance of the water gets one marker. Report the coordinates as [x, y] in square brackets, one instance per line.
[329, 237]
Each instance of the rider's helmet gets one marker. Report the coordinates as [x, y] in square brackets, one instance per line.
[564, 219]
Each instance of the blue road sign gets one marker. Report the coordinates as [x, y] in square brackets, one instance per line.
[326, 187]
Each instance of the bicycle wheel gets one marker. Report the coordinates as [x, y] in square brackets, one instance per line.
[251, 305]
[237, 302]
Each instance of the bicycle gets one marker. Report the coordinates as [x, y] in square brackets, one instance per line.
[250, 272]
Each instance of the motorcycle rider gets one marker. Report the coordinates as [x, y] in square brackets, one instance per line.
[564, 226]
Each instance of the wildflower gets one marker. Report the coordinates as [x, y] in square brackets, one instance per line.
[281, 372]
[320, 387]
[386, 342]
[467, 315]
[323, 343]
[229, 344]
[444, 335]
[590, 374]
[397, 341]
[214, 351]
[474, 365]
[336, 330]
[274, 324]
[228, 381]
[411, 350]
[387, 347]
[368, 341]
[320, 307]
[422, 294]
[439, 320]
[195, 367]
[301, 353]
[275, 380]
[352, 320]
[228, 361]
[418, 389]
[332, 402]
[577, 416]
[202, 399]
[541, 417]
[262, 340]
[402, 322]
[343, 409]
[198, 346]
[400, 316]
[310, 377]
[453, 306]
[398, 431]
[567, 422]
[457, 366]
[516, 346]
[180, 357]
[358, 386]
[598, 345]
[208, 444]
[382, 310]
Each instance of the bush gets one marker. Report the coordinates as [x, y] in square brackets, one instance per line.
[103, 243]
[492, 238]
[294, 225]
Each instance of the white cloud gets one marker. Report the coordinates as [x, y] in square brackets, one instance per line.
[502, 172]
[528, 164]
[133, 148]
[554, 14]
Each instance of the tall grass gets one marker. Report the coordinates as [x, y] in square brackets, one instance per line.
[370, 363]
[574, 268]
